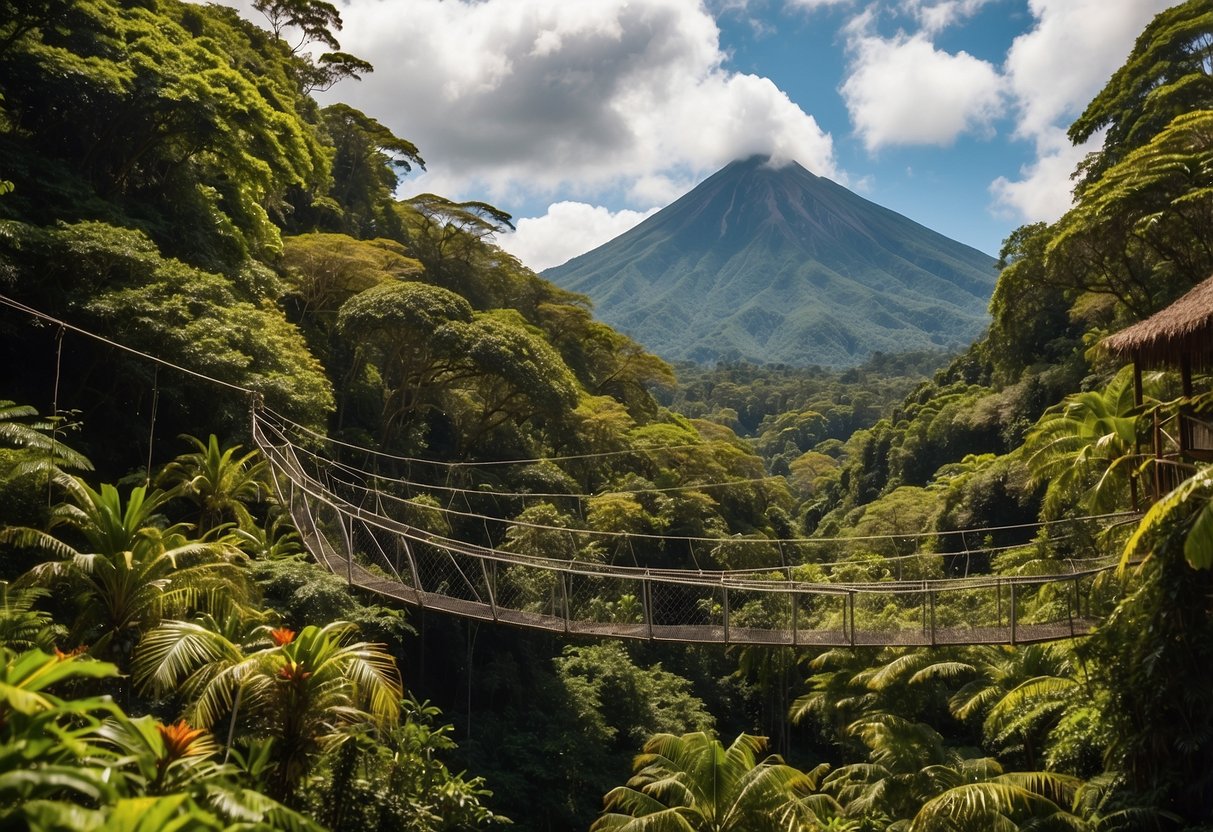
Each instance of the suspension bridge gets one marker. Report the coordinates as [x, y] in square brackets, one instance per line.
[364, 528]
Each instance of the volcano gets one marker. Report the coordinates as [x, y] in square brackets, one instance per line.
[777, 265]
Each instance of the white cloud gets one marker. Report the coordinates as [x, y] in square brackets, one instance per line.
[815, 4]
[1058, 66]
[902, 90]
[565, 231]
[1053, 72]
[1043, 193]
[508, 99]
[939, 15]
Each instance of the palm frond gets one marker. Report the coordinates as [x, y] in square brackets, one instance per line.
[174, 650]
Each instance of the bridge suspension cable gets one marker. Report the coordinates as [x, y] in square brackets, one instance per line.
[358, 532]
[389, 555]
[377, 483]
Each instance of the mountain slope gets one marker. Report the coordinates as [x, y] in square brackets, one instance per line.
[781, 266]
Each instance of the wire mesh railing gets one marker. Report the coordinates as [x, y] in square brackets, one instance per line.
[356, 535]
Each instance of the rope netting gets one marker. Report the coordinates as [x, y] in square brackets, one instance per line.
[391, 536]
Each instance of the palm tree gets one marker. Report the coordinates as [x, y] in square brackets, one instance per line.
[308, 691]
[908, 763]
[1018, 693]
[913, 782]
[837, 692]
[692, 783]
[1085, 447]
[218, 482]
[130, 570]
[1002, 801]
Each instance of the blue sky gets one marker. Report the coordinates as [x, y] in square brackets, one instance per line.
[580, 117]
[943, 186]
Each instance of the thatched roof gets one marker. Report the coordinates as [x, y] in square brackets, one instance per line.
[1183, 328]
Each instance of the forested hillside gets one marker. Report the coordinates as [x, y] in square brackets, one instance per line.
[172, 658]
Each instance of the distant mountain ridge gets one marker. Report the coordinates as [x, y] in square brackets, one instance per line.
[777, 265]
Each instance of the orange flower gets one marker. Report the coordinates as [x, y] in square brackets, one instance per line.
[282, 636]
[179, 739]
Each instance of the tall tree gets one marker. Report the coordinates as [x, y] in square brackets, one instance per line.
[367, 165]
[1168, 73]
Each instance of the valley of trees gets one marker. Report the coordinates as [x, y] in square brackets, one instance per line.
[172, 658]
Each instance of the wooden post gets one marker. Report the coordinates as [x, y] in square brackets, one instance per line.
[1158, 491]
[931, 602]
[408, 553]
[1185, 440]
[1073, 607]
[1138, 398]
[347, 536]
[795, 618]
[564, 598]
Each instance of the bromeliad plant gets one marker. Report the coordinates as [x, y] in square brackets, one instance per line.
[73, 765]
[309, 691]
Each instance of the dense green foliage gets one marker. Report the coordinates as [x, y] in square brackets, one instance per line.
[231, 227]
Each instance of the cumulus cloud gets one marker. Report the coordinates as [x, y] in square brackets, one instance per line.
[509, 99]
[1053, 71]
[1059, 65]
[902, 91]
[1043, 191]
[565, 231]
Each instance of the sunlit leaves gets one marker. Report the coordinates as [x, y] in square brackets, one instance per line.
[1185, 514]
[1137, 233]
[143, 107]
[326, 270]
[1084, 448]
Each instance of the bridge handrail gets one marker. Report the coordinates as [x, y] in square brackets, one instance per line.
[711, 578]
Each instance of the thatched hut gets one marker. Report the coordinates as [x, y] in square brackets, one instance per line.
[1181, 335]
